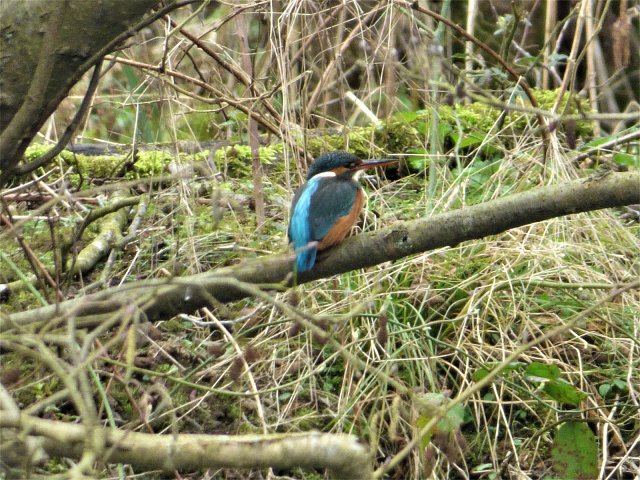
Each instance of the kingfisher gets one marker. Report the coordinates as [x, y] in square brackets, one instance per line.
[326, 207]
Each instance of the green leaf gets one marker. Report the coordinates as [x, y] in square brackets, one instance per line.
[620, 384]
[417, 161]
[563, 392]
[429, 405]
[421, 127]
[468, 140]
[615, 385]
[575, 452]
[542, 370]
[407, 117]
[626, 159]
[284, 396]
[604, 389]
[421, 421]
[479, 374]
[484, 371]
[489, 397]
[526, 61]
[443, 131]
[452, 420]
[483, 467]
[556, 59]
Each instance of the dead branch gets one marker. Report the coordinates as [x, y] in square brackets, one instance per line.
[342, 454]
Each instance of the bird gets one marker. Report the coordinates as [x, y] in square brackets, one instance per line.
[325, 208]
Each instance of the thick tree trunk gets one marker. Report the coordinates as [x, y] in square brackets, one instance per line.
[46, 46]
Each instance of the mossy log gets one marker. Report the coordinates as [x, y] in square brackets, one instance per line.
[459, 125]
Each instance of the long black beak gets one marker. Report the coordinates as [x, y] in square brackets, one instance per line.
[376, 163]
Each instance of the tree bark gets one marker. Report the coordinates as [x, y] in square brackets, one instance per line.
[45, 51]
[340, 453]
[161, 299]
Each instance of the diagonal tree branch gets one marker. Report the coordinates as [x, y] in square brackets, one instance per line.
[71, 128]
[35, 97]
[72, 55]
[165, 298]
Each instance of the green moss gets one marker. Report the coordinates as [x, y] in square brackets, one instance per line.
[237, 159]
[172, 326]
[308, 419]
[477, 119]
[151, 163]
[122, 399]
[397, 136]
[472, 118]
[306, 475]
[358, 140]
[403, 132]
[95, 166]
[36, 150]
[91, 166]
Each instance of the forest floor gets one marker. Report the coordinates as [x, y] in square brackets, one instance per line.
[436, 322]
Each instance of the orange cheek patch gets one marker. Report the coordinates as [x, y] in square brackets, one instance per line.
[343, 225]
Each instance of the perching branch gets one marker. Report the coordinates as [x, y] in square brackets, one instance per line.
[342, 454]
[165, 298]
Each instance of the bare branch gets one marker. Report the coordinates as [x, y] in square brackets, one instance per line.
[340, 453]
[166, 298]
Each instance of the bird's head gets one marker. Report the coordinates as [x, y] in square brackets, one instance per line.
[342, 162]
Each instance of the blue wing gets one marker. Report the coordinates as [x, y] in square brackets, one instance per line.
[300, 227]
[311, 220]
[333, 199]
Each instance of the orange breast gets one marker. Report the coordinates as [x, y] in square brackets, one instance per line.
[343, 225]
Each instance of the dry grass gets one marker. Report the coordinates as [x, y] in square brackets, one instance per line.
[429, 323]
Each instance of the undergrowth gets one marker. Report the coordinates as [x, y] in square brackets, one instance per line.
[435, 323]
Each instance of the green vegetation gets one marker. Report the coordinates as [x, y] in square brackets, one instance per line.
[436, 324]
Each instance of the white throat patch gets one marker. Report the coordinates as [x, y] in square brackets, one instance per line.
[325, 174]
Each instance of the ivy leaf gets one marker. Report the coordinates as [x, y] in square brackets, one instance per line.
[542, 370]
[484, 371]
[563, 392]
[575, 452]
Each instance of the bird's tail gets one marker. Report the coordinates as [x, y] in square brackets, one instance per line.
[306, 257]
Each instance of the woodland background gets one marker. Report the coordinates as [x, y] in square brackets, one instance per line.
[148, 307]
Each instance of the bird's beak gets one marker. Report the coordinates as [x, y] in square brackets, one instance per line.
[376, 163]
